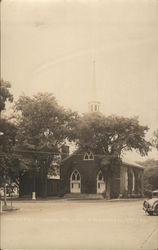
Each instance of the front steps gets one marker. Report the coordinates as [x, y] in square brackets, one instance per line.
[73, 196]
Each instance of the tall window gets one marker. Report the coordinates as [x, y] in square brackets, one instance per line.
[75, 182]
[88, 156]
[101, 187]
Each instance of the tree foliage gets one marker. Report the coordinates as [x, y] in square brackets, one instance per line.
[8, 135]
[43, 127]
[5, 94]
[155, 139]
[9, 168]
[9, 163]
[7, 128]
[111, 135]
[150, 174]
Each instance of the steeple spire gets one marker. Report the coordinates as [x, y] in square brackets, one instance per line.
[93, 105]
[94, 93]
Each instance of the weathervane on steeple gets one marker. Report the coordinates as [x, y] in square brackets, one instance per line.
[94, 104]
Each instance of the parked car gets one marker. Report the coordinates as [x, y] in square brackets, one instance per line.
[150, 206]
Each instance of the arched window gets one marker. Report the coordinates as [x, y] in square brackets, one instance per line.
[89, 156]
[75, 176]
[75, 182]
[100, 176]
[100, 183]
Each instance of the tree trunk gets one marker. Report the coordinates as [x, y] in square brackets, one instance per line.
[44, 181]
[44, 187]
[34, 181]
[44, 172]
[20, 185]
[108, 189]
[5, 194]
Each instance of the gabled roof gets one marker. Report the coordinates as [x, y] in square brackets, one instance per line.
[69, 156]
[76, 152]
[105, 160]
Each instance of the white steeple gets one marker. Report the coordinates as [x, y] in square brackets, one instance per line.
[94, 104]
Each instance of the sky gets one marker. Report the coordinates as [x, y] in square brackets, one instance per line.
[50, 45]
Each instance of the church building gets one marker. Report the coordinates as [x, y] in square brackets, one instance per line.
[86, 172]
[89, 173]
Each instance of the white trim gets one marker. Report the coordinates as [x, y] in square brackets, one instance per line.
[88, 154]
[101, 185]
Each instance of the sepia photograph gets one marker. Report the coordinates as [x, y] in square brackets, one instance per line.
[79, 125]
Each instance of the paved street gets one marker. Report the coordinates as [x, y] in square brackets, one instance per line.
[79, 225]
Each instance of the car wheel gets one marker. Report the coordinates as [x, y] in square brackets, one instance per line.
[150, 212]
[156, 209]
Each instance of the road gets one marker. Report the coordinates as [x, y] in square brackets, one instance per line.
[61, 224]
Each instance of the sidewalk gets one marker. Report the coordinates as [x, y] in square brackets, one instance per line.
[52, 199]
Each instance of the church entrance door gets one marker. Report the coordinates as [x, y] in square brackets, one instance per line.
[75, 182]
[100, 183]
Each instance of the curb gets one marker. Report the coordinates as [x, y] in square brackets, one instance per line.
[77, 199]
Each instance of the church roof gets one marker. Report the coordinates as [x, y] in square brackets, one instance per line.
[69, 156]
[106, 160]
[132, 163]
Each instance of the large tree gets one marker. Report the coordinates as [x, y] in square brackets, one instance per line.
[43, 127]
[7, 128]
[111, 135]
[9, 163]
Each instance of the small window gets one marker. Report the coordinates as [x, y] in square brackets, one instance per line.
[88, 156]
[95, 107]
